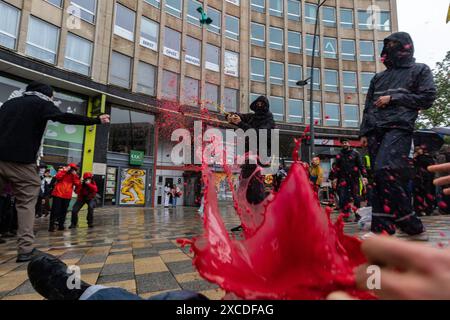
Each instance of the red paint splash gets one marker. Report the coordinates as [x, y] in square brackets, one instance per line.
[291, 249]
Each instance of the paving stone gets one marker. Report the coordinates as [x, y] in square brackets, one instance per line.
[115, 278]
[158, 281]
[117, 268]
[198, 285]
[181, 267]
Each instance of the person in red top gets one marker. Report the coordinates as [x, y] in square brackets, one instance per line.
[87, 192]
[66, 180]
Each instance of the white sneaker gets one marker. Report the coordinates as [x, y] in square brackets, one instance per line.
[368, 235]
[401, 234]
[419, 237]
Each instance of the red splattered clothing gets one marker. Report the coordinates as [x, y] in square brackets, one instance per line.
[87, 191]
[65, 182]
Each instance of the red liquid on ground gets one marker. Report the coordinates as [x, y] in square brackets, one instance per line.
[291, 250]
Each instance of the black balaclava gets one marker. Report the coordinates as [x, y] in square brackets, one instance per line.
[402, 54]
[264, 108]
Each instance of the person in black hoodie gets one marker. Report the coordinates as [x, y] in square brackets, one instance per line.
[22, 122]
[348, 171]
[393, 102]
[261, 119]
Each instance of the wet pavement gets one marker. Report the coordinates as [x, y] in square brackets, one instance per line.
[136, 249]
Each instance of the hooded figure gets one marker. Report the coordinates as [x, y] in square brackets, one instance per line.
[261, 119]
[393, 102]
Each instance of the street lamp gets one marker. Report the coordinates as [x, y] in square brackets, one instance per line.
[303, 83]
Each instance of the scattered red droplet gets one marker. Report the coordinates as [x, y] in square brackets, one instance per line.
[386, 209]
[442, 205]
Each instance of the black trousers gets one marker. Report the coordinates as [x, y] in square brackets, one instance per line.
[391, 201]
[255, 192]
[348, 191]
[59, 211]
[76, 209]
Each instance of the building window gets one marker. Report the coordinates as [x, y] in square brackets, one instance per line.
[174, 7]
[276, 38]
[330, 48]
[367, 50]
[309, 45]
[232, 27]
[212, 96]
[365, 20]
[277, 107]
[350, 82]
[384, 22]
[276, 8]
[119, 70]
[216, 17]
[9, 25]
[329, 17]
[332, 115]
[193, 51]
[146, 75]
[331, 80]
[347, 20]
[351, 116]
[192, 15]
[294, 42]
[294, 10]
[258, 34]
[172, 43]
[57, 3]
[317, 109]
[276, 73]
[191, 91]
[124, 23]
[296, 113]
[257, 69]
[42, 40]
[86, 9]
[295, 73]
[130, 130]
[155, 3]
[149, 34]
[366, 78]
[310, 13]
[316, 77]
[235, 2]
[348, 49]
[170, 89]
[78, 55]
[231, 97]
[259, 5]
[212, 61]
[231, 61]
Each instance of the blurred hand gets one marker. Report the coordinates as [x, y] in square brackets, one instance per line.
[364, 142]
[383, 101]
[444, 181]
[105, 118]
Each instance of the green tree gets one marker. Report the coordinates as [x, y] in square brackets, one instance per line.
[439, 114]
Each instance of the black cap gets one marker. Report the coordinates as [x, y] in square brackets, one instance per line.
[40, 87]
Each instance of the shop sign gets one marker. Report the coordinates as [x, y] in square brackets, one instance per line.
[136, 158]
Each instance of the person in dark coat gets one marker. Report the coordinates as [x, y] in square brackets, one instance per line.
[424, 194]
[261, 119]
[393, 102]
[349, 169]
[23, 121]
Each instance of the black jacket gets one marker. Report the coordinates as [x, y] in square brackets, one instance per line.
[349, 166]
[262, 119]
[22, 125]
[410, 85]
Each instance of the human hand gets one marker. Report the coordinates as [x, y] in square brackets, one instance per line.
[444, 181]
[383, 101]
[364, 142]
[105, 118]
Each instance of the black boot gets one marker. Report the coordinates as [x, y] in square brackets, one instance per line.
[49, 277]
[25, 257]
[237, 229]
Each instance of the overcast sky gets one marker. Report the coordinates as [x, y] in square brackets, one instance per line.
[425, 21]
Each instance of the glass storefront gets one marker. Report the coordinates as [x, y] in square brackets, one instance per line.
[62, 143]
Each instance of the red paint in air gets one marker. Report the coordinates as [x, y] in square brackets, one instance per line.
[291, 251]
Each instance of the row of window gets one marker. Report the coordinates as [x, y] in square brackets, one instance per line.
[120, 74]
[295, 73]
[84, 9]
[347, 47]
[367, 19]
[298, 112]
